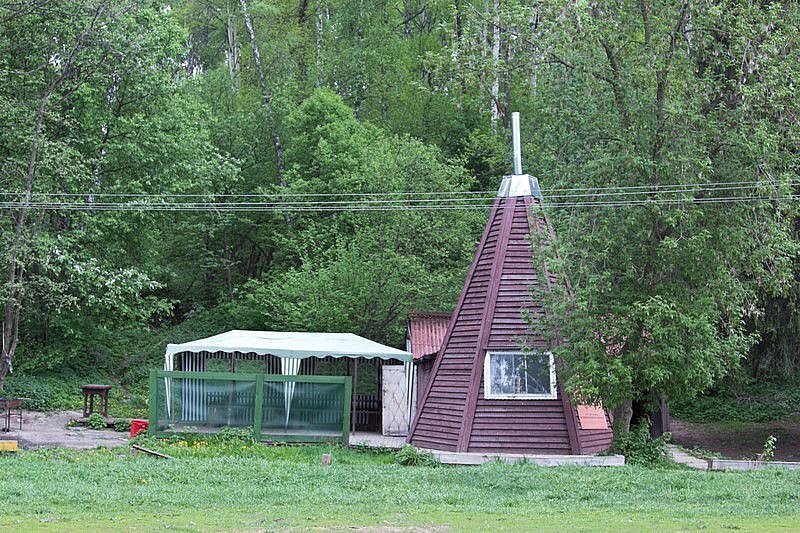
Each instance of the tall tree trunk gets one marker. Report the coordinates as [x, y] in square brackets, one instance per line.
[534, 29]
[13, 305]
[232, 52]
[495, 62]
[266, 94]
[622, 415]
[505, 105]
[323, 16]
[407, 19]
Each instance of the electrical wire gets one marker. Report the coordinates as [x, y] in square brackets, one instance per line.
[548, 192]
[600, 197]
[439, 199]
[289, 207]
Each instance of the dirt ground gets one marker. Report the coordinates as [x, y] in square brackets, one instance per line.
[735, 440]
[740, 440]
[49, 430]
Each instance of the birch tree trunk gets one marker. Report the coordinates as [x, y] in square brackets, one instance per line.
[12, 305]
[266, 94]
[323, 15]
[232, 51]
[495, 91]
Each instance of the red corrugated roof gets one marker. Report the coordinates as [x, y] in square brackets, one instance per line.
[426, 330]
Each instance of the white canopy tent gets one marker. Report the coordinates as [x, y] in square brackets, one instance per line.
[290, 347]
[291, 344]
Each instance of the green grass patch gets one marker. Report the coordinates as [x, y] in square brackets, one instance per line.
[261, 487]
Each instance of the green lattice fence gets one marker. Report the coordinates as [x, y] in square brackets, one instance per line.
[276, 407]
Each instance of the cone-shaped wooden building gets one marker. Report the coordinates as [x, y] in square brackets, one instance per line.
[485, 393]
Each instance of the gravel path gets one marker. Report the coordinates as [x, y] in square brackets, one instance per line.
[680, 456]
[49, 430]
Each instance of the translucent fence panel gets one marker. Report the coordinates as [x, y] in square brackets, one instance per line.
[302, 408]
[284, 408]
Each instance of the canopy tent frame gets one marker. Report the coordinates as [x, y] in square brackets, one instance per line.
[291, 348]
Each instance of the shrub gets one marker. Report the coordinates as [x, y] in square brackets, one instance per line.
[96, 421]
[408, 455]
[769, 449]
[122, 425]
[57, 392]
[45, 393]
[753, 401]
[234, 436]
[639, 448]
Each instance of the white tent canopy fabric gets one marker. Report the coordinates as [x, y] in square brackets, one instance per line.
[291, 347]
[290, 366]
[292, 344]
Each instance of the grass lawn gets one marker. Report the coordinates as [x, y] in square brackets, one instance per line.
[258, 487]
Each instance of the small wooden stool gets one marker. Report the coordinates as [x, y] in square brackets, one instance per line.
[89, 392]
[7, 405]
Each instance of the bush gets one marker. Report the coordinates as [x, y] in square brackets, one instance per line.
[45, 393]
[639, 448]
[234, 436]
[96, 421]
[408, 455]
[743, 402]
[56, 392]
[122, 425]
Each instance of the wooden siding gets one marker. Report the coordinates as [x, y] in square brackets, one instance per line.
[453, 413]
[441, 411]
[594, 440]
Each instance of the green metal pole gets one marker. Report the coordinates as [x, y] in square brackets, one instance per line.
[153, 407]
[257, 416]
[347, 401]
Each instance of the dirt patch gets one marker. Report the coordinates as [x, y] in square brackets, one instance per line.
[740, 440]
[49, 430]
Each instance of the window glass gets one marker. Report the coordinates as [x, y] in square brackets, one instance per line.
[517, 373]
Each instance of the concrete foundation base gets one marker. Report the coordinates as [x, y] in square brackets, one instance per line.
[731, 464]
[467, 458]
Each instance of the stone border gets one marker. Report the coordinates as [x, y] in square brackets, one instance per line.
[467, 458]
[733, 464]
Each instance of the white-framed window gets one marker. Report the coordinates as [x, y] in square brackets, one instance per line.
[519, 375]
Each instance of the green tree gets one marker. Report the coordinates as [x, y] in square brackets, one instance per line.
[648, 94]
[362, 271]
[96, 103]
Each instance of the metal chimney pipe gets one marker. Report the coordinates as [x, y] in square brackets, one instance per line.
[516, 142]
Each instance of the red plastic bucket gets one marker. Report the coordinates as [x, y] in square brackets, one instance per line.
[137, 426]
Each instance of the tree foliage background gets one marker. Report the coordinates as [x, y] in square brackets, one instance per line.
[328, 96]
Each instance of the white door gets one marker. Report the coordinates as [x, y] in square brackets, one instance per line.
[395, 400]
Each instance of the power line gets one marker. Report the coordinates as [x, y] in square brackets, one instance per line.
[652, 188]
[290, 207]
[417, 200]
